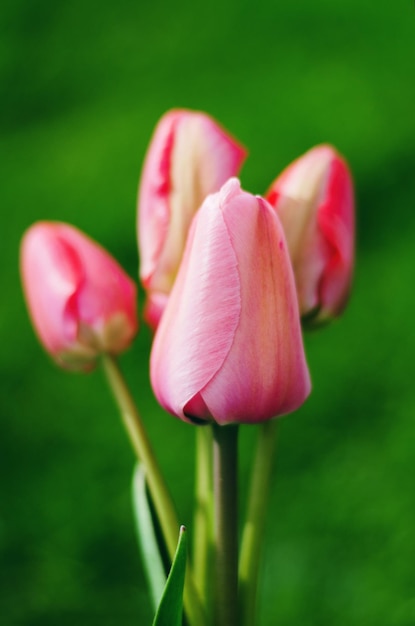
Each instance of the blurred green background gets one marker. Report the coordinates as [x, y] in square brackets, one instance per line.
[83, 85]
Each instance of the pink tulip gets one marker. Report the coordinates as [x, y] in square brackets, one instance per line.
[229, 345]
[314, 200]
[190, 156]
[80, 300]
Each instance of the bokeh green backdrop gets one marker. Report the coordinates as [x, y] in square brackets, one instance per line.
[83, 84]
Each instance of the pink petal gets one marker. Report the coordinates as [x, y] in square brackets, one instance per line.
[190, 156]
[52, 273]
[265, 373]
[229, 344]
[155, 304]
[336, 223]
[106, 289]
[80, 300]
[197, 329]
[314, 200]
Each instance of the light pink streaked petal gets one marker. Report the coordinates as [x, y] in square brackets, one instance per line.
[314, 200]
[153, 200]
[265, 373]
[297, 194]
[184, 356]
[336, 223]
[155, 304]
[106, 289]
[80, 300]
[52, 274]
[190, 157]
[229, 345]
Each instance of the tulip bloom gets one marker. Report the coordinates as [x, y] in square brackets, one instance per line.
[229, 345]
[190, 156]
[80, 300]
[314, 201]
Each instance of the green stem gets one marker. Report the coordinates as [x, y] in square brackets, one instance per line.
[225, 452]
[160, 495]
[254, 527]
[203, 517]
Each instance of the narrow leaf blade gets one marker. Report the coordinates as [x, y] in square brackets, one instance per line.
[170, 610]
[147, 539]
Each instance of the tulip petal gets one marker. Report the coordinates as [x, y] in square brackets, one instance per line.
[80, 300]
[269, 330]
[154, 211]
[190, 157]
[314, 200]
[52, 273]
[229, 345]
[184, 356]
[154, 307]
[106, 289]
[336, 223]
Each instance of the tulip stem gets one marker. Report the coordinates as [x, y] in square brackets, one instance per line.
[225, 481]
[253, 532]
[203, 517]
[160, 495]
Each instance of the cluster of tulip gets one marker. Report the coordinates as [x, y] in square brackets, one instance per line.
[230, 279]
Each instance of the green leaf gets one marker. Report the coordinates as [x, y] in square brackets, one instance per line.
[147, 539]
[170, 610]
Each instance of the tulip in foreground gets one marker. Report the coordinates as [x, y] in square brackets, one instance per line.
[80, 300]
[314, 201]
[190, 156]
[229, 346]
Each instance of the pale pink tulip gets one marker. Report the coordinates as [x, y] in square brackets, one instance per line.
[315, 203]
[190, 156]
[80, 300]
[229, 345]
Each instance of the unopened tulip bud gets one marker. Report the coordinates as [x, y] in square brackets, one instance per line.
[229, 345]
[190, 156]
[315, 203]
[80, 300]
